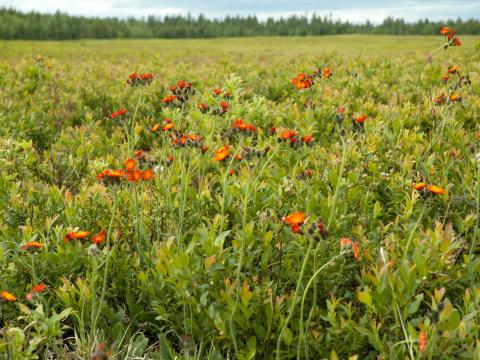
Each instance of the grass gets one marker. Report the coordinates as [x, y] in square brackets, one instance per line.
[203, 261]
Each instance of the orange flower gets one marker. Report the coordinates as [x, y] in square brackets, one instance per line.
[76, 235]
[134, 175]
[478, 135]
[223, 106]
[7, 296]
[239, 124]
[168, 126]
[147, 175]
[296, 218]
[307, 139]
[445, 30]
[138, 154]
[327, 73]
[155, 127]
[453, 69]
[32, 245]
[434, 189]
[130, 164]
[38, 288]
[360, 118]
[455, 97]
[457, 42]
[221, 154]
[422, 341]
[116, 174]
[344, 242]
[99, 238]
[217, 91]
[302, 81]
[287, 134]
[168, 99]
[419, 186]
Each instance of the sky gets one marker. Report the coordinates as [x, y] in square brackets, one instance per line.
[352, 10]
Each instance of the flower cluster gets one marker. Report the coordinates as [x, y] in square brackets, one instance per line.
[461, 80]
[303, 81]
[219, 92]
[429, 189]
[450, 36]
[182, 90]
[166, 126]
[142, 80]
[242, 126]
[96, 239]
[292, 137]
[130, 173]
[192, 140]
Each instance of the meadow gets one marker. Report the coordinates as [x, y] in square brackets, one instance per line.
[248, 198]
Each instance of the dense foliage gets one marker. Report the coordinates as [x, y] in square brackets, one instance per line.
[59, 26]
[240, 201]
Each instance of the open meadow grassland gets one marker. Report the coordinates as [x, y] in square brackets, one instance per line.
[251, 198]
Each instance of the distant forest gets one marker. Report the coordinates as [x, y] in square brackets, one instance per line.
[60, 26]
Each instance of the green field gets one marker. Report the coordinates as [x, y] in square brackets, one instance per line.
[203, 261]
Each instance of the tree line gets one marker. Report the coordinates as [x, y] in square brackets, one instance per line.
[59, 26]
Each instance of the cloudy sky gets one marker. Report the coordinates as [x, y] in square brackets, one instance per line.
[353, 10]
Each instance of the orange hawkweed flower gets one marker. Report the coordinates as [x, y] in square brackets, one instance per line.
[168, 99]
[457, 42]
[32, 245]
[116, 174]
[445, 30]
[223, 106]
[74, 235]
[307, 139]
[134, 175]
[38, 288]
[130, 164]
[422, 341]
[221, 154]
[419, 186]
[99, 238]
[296, 218]
[327, 73]
[453, 69]
[302, 81]
[241, 125]
[344, 242]
[287, 135]
[360, 119]
[217, 92]
[167, 127]
[7, 296]
[155, 127]
[455, 97]
[147, 175]
[434, 189]
[118, 113]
